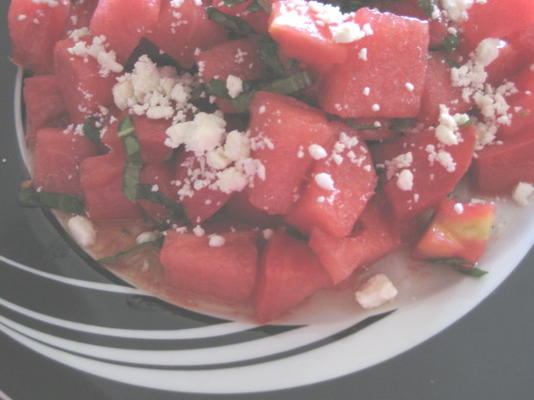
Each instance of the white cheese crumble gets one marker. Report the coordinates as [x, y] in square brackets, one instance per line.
[216, 241]
[405, 180]
[362, 54]
[522, 193]
[147, 237]
[375, 292]
[347, 32]
[317, 152]
[268, 233]
[82, 230]
[49, 3]
[456, 10]
[234, 85]
[324, 181]
[97, 49]
[458, 208]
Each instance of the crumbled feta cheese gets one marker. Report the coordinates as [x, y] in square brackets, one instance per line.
[409, 86]
[522, 192]
[366, 91]
[234, 85]
[362, 55]
[459, 208]
[216, 241]
[375, 292]
[97, 49]
[347, 32]
[405, 180]
[202, 134]
[82, 230]
[325, 181]
[50, 3]
[198, 231]
[147, 237]
[267, 233]
[457, 9]
[317, 152]
[376, 107]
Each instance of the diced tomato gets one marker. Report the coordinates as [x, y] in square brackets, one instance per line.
[458, 230]
[436, 169]
[289, 273]
[226, 273]
[284, 156]
[295, 25]
[499, 167]
[521, 105]
[101, 179]
[180, 37]
[124, 23]
[374, 237]
[497, 19]
[34, 29]
[56, 160]
[160, 177]
[354, 180]
[199, 204]
[83, 88]
[80, 14]
[439, 90]
[358, 88]
[44, 104]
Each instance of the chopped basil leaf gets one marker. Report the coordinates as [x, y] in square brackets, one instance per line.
[450, 43]
[134, 161]
[117, 257]
[427, 6]
[90, 130]
[255, 7]
[352, 123]
[268, 53]
[29, 197]
[474, 272]
[460, 265]
[231, 3]
[235, 24]
[294, 83]
[217, 87]
[145, 192]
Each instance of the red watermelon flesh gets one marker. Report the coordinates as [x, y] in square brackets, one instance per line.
[226, 273]
[83, 88]
[34, 29]
[289, 273]
[160, 177]
[283, 155]
[373, 238]
[80, 14]
[434, 174]
[359, 87]
[199, 204]
[336, 211]
[101, 179]
[521, 104]
[181, 30]
[439, 90]
[56, 160]
[124, 23]
[508, 63]
[499, 167]
[497, 19]
[44, 104]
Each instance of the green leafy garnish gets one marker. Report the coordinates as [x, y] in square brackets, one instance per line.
[293, 83]
[268, 53]
[401, 124]
[29, 197]
[460, 265]
[427, 6]
[90, 130]
[231, 3]
[255, 7]
[117, 257]
[235, 24]
[450, 43]
[134, 161]
[145, 192]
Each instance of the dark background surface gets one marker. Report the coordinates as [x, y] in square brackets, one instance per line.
[489, 354]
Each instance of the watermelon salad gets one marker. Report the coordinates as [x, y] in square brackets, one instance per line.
[255, 152]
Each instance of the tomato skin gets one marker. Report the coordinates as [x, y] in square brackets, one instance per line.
[458, 230]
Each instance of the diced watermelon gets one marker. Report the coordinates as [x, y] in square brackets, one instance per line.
[83, 88]
[439, 90]
[34, 29]
[226, 273]
[354, 178]
[199, 204]
[358, 87]
[524, 42]
[507, 64]
[499, 167]
[457, 231]
[296, 26]
[101, 179]
[289, 273]
[436, 169]
[124, 23]
[497, 19]
[80, 14]
[272, 117]
[160, 177]
[181, 30]
[521, 104]
[44, 104]
[373, 238]
[56, 160]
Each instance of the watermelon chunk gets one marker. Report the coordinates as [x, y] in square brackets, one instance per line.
[507, 64]
[226, 273]
[44, 104]
[374, 237]
[34, 29]
[497, 19]
[101, 178]
[358, 88]
[285, 157]
[499, 167]
[289, 273]
[354, 179]
[124, 23]
[521, 105]
[181, 30]
[83, 88]
[160, 177]
[435, 170]
[56, 160]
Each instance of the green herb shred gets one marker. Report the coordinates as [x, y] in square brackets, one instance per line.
[117, 257]
[235, 24]
[29, 197]
[134, 161]
[90, 130]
